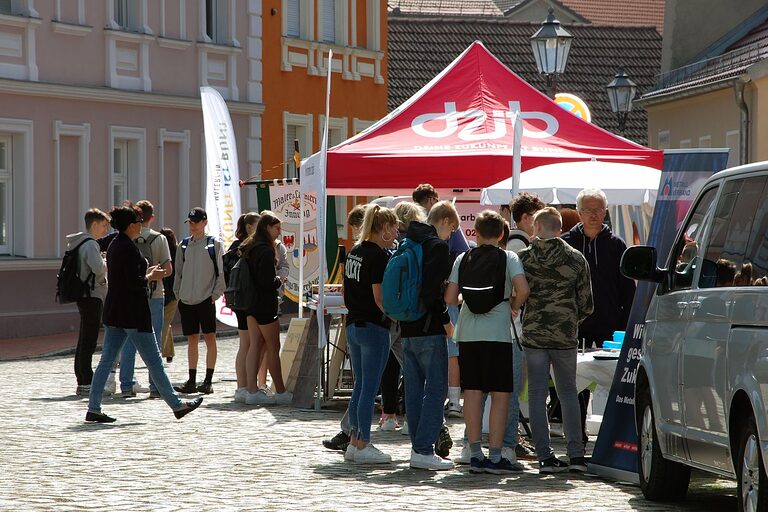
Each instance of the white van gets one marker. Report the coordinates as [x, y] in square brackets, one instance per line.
[702, 382]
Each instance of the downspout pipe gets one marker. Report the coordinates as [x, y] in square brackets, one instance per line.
[738, 87]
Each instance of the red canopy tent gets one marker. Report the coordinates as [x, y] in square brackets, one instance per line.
[457, 133]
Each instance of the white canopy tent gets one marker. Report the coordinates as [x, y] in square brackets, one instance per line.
[560, 183]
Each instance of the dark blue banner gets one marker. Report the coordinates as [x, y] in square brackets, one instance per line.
[684, 173]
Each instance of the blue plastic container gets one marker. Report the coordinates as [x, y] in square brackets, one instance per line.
[618, 336]
[612, 344]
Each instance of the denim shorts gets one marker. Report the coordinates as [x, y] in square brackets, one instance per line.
[453, 313]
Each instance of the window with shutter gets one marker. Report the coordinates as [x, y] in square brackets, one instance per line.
[290, 135]
[329, 21]
[293, 18]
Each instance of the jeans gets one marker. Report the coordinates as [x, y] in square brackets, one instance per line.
[90, 323]
[145, 343]
[563, 364]
[425, 372]
[368, 346]
[513, 413]
[128, 354]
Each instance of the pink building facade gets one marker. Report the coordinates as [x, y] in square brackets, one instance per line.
[99, 102]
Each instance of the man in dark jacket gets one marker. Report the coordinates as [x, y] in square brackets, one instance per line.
[425, 354]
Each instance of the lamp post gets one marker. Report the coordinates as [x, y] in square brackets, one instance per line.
[550, 45]
[621, 92]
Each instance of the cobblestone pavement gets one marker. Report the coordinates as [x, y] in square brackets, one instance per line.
[228, 456]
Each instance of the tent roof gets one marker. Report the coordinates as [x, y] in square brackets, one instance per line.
[456, 132]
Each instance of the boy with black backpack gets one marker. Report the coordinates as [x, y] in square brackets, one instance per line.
[486, 276]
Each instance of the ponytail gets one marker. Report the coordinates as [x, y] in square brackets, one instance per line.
[376, 217]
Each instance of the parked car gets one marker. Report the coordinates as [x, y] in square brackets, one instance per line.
[702, 382]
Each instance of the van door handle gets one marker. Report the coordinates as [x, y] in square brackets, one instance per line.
[682, 305]
[695, 304]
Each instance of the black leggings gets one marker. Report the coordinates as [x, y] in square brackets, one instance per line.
[90, 323]
[389, 381]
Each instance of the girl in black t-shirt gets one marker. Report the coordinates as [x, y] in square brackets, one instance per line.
[367, 327]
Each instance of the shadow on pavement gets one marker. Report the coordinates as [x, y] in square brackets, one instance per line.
[87, 427]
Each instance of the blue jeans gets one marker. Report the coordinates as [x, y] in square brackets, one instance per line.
[511, 436]
[563, 363]
[114, 339]
[368, 346]
[425, 374]
[128, 354]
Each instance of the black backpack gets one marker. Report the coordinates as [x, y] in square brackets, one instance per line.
[482, 272]
[229, 259]
[240, 294]
[69, 287]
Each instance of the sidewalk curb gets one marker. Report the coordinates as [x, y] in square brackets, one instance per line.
[179, 339]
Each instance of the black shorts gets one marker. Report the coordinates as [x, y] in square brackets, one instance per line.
[486, 366]
[265, 310]
[242, 320]
[196, 318]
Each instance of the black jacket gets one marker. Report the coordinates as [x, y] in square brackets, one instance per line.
[437, 268]
[127, 302]
[611, 291]
[261, 263]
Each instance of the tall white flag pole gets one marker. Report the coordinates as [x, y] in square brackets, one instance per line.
[300, 244]
[517, 156]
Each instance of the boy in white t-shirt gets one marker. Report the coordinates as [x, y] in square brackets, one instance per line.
[485, 336]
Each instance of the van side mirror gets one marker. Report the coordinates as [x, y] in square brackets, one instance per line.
[639, 262]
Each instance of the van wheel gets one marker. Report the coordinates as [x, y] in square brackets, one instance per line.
[660, 479]
[753, 486]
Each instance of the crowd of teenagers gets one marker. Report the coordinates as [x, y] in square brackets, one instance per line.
[136, 278]
[514, 305]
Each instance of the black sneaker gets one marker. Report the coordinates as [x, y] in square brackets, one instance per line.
[503, 467]
[205, 388]
[524, 451]
[188, 388]
[98, 417]
[187, 407]
[578, 465]
[444, 443]
[338, 442]
[552, 465]
[478, 465]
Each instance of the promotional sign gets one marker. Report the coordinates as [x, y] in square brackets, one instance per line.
[222, 177]
[683, 175]
[574, 105]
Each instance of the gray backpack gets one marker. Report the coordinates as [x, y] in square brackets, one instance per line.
[144, 245]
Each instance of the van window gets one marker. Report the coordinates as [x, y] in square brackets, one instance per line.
[726, 262]
[685, 254]
[755, 266]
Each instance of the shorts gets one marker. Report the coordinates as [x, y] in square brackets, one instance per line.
[486, 366]
[453, 313]
[265, 311]
[242, 320]
[196, 318]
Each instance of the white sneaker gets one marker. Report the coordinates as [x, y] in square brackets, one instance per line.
[388, 425]
[284, 398]
[371, 455]
[240, 394]
[138, 388]
[453, 410]
[431, 462]
[258, 398]
[465, 456]
[349, 453]
[404, 429]
[110, 387]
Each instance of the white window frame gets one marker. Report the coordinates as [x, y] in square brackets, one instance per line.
[359, 125]
[6, 178]
[231, 36]
[22, 176]
[373, 24]
[136, 163]
[685, 144]
[180, 18]
[141, 17]
[80, 12]
[83, 133]
[184, 139]
[24, 8]
[301, 121]
[705, 141]
[306, 20]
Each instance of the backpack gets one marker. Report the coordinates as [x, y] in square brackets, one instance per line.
[240, 293]
[69, 287]
[210, 245]
[229, 259]
[144, 245]
[401, 285]
[482, 272]
[517, 236]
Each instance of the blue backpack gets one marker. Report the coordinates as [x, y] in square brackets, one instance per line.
[401, 285]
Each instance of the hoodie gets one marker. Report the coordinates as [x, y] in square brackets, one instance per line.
[90, 261]
[613, 293]
[561, 295]
[435, 271]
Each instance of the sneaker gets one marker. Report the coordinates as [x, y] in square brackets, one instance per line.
[240, 395]
[431, 462]
[524, 451]
[503, 467]
[111, 385]
[187, 388]
[465, 456]
[478, 465]
[153, 394]
[338, 442]
[371, 455]
[388, 424]
[453, 410]
[127, 393]
[98, 417]
[187, 407]
[577, 465]
[404, 429]
[509, 454]
[552, 465]
[284, 398]
[259, 398]
[349, 454]
[205, 388]
[83, 390]
[444, 443]
[169, 359]
[138, 388]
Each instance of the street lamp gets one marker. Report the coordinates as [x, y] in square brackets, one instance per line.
[551, 44]
[621, 92]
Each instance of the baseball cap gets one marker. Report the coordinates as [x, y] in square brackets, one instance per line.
[196, 214]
